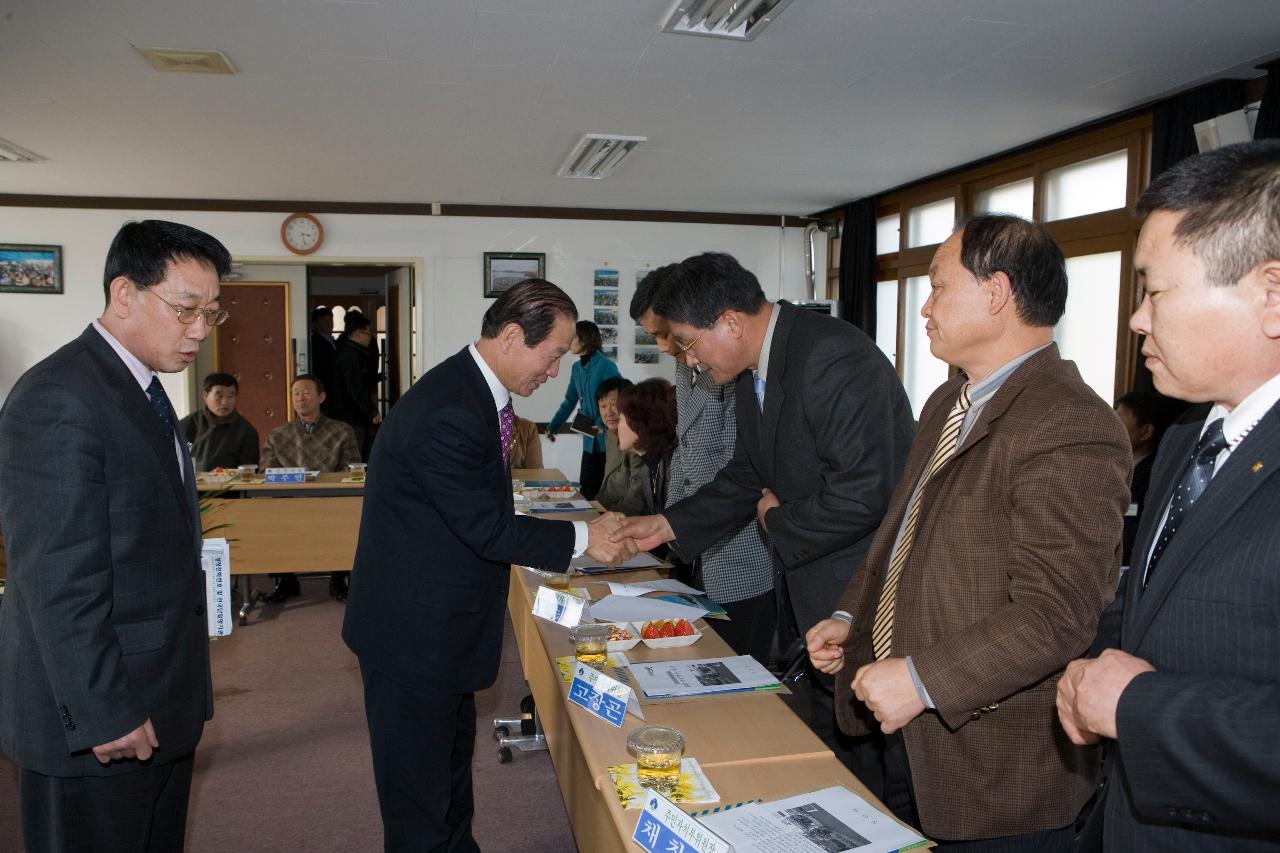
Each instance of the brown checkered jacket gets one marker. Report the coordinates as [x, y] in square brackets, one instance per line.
[1016, 555]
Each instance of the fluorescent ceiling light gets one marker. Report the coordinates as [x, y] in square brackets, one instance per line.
[596, 155]
[10, 153]
[730, 19]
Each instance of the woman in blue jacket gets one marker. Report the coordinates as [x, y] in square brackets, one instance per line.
[591, 369]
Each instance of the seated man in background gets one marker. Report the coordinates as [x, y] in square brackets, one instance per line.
[620, 489]
[525, 449]
[218, 436]
[317, 443]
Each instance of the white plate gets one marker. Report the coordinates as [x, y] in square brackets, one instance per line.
[672, 642]
[219, 479]
[624, 645]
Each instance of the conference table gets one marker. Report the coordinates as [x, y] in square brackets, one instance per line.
[284, 527]
[751, 746]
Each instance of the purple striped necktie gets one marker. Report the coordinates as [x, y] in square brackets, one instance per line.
[506, 425]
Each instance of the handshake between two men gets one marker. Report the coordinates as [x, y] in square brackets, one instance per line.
[600, 540]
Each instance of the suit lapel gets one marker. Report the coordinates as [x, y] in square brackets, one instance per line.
[695, 400]
[137, 408]
[1008, 391]
[775, 394]
[482, 397]
[1250, 465]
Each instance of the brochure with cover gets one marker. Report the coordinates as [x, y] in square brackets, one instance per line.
[583, 425]
[589, 566]
[662, 679]
[693, 787]
[832, 820]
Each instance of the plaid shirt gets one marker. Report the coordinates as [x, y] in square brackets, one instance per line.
[740, 565]
[329, 446]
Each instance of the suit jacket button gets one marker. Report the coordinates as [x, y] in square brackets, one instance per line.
[975, 715]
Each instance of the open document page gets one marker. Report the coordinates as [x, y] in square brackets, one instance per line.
[662, 679]
[828, 821]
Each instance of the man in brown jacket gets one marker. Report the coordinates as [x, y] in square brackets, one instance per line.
[997, 555]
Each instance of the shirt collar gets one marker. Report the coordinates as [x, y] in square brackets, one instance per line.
[762, 368]
[1237, 423]
[140, 371]
[991, 383]
[501, 396]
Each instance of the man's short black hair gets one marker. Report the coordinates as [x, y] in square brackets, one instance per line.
[354, 321]
[224, 379]
[320, 312]
[310, 377]
[534, 305]
[1027, 254]
[613, 383]
[1230, 201]
[642, 299]
[705, 286]
[142, 252]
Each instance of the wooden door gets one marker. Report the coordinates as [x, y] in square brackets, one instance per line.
[254, 347]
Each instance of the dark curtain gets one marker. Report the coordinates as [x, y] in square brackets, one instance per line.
[1173, 139]
[1268, 125]
[858, 265]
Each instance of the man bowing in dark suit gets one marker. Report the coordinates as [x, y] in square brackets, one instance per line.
[1189, 693]
[104, 654]
[823, 429]
[437, 536]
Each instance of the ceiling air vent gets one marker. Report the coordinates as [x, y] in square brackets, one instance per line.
[596, 155]
[186, 61]
[741, 20]
[10, 153]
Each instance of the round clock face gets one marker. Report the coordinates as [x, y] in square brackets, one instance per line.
[302, 233]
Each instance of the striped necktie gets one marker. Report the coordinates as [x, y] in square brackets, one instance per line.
[948, 441]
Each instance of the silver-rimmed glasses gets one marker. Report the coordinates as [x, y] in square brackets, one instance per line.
[187, 316]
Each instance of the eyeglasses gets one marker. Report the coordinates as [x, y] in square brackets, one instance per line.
[685, 349]
[187, 316]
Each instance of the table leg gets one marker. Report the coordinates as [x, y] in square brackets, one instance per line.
[247, 597]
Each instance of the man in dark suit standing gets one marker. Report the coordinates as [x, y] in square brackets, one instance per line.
[823, 428]
[1188, 696]
[437, 536]
[323, 348]
[104, 657]
[998, 553]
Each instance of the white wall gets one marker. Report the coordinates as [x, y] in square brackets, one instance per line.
[448, 251]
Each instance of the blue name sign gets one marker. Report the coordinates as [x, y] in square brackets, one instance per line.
[585, 694]
[664, 828]
[285, 475]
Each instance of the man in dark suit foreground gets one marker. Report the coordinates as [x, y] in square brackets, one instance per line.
[998, 553]
[104, 655]
[823, 428]
[437, 536]
[1188, 696]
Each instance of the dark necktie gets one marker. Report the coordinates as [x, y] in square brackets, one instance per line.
[506, 424]
[1195, 478]
[160, 405]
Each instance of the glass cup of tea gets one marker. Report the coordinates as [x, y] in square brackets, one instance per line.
[247, 473]
[591, 645]
[657, 751]
[357, 470]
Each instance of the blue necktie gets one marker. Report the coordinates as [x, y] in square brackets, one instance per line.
[1195, 479]
[160, 405]
[759, 391]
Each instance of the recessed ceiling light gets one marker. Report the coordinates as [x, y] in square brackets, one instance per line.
[186, 61]
[727, 19]
[10, 153]
[596, 155]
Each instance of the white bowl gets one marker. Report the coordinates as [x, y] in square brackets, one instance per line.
[672, 642]
[624, 645]
[219, 479]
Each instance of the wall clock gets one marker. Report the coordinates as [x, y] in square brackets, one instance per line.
[302, 233]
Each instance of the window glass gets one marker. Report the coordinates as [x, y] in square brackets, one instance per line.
[921, 371]
[1015, 198]
[887, 228]
[1086, 334]
[887, 318]
[930, 223]
[1090, 186]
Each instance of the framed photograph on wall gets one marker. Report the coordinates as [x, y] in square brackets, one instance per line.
[504, 270]
[30, 269]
